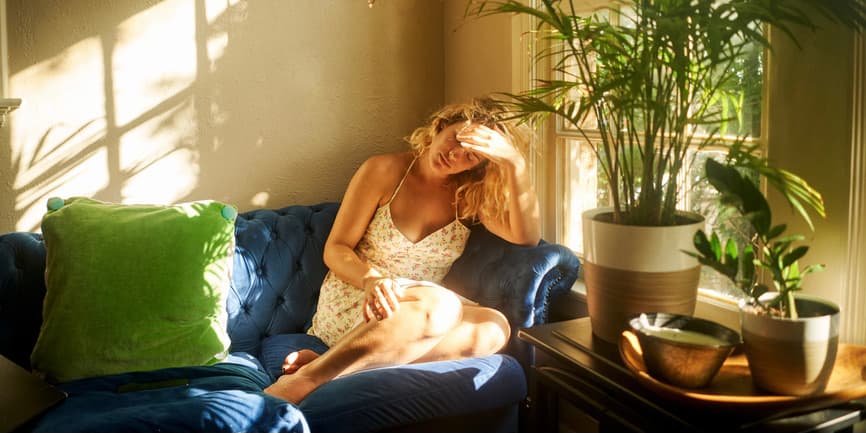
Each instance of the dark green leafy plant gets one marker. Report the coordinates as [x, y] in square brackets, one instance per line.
[768, 247]
[640, 88]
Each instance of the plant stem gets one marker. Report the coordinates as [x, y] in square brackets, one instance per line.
[791, 309]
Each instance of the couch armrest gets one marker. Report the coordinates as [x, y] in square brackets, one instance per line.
[22, 289]
[518, 281]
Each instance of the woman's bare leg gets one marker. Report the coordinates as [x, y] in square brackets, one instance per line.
[425, 315]
[482, 331]
[427, 326]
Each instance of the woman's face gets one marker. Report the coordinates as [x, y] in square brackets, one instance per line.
[448, 156]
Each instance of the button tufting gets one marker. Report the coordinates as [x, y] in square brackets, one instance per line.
[280, 300]
[247, 308]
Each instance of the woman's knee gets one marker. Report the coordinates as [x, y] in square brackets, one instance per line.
[502, 322]
[494, 329]
[440, 308]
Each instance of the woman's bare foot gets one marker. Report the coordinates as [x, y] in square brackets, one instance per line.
[298, 359]
[293, 388]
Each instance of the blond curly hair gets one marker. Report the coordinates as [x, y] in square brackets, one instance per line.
[481, 190]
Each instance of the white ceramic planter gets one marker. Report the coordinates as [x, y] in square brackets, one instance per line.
[793, 356]
[636, 269]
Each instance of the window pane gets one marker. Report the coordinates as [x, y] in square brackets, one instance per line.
[581, 191]
[737, 106]
[703, 199]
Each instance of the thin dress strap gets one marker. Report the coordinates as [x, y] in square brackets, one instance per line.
[396, 190]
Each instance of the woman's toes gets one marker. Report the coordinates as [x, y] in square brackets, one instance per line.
[298, 359]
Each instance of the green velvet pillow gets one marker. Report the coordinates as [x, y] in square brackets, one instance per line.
[133, 287]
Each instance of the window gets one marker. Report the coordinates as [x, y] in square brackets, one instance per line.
[579, 186]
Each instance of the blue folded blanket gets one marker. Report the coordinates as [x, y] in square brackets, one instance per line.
[225, 397]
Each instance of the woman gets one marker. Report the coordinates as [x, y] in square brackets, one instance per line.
[399, 228]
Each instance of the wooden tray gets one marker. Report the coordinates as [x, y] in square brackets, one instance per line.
[732, 388]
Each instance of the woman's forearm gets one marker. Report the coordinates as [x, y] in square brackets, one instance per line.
[523, 210]
[345, 263]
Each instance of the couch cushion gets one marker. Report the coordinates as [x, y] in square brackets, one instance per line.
[226, 397]
[383, 398]
[133, 288]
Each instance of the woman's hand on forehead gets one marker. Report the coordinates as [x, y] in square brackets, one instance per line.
[489, 143]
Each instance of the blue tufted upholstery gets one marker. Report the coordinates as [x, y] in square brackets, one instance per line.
[22, 288]
[278, 269]
[277, 272]
[518, 281]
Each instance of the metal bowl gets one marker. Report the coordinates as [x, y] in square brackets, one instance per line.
[683, 350]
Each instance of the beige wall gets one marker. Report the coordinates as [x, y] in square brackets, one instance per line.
[259, 103]
[478, 53]
[809, 133]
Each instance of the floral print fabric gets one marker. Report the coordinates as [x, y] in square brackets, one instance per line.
[386, 249]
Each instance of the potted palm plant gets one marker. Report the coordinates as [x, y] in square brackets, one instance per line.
[790, 339]
[643, 90]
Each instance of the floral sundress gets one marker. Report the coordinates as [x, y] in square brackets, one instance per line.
[386, 249]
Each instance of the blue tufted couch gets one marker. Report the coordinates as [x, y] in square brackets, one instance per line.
[278, 268]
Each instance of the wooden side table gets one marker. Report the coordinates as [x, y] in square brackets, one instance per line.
[579, 383]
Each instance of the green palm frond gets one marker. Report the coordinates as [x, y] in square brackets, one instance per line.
[650, 79]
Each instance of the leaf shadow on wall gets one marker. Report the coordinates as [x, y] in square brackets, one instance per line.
[284, 111]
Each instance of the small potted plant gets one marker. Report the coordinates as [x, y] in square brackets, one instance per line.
[790, 339]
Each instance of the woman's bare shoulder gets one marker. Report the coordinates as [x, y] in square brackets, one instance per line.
[386, 167]
[388, 161]
[380, 174]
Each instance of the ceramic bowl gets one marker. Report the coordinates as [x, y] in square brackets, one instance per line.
[683, 350]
